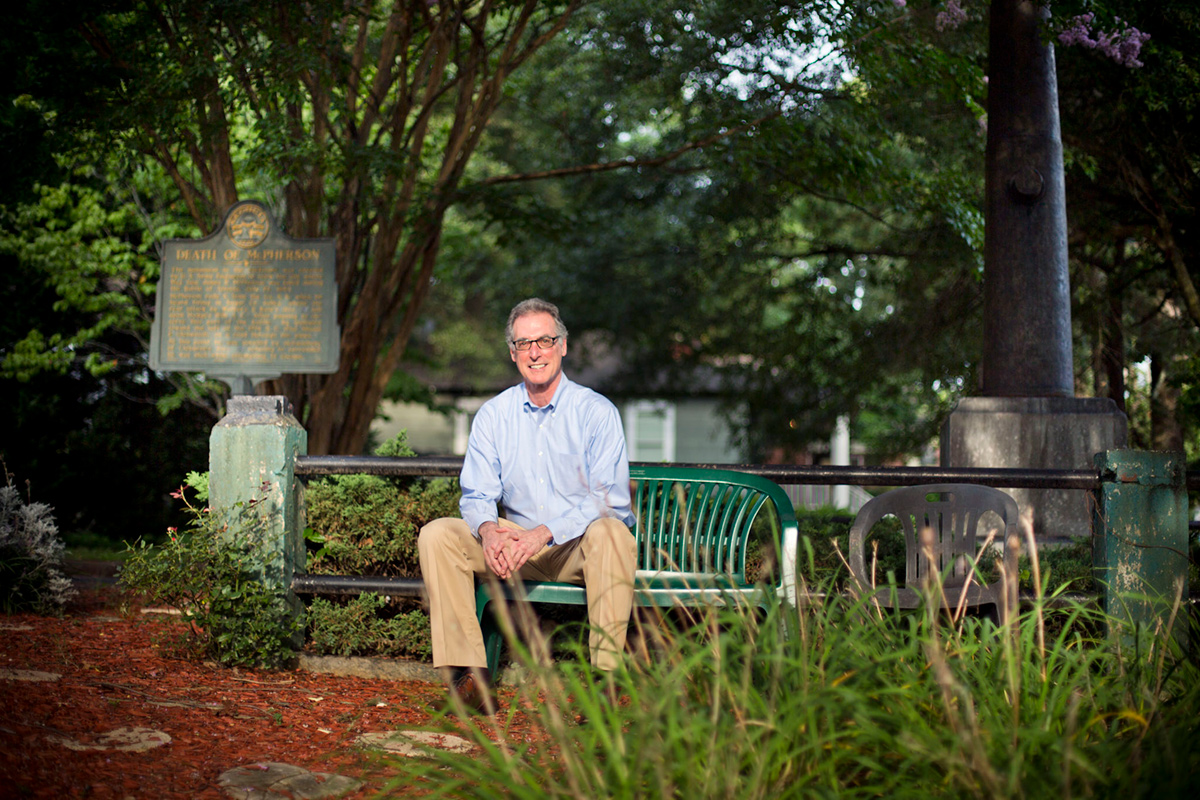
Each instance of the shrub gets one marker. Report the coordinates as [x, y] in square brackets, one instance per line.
[213, 575]
[356, 627]
[31, 556]
[1065, 566]
[825, 538]
[368, 524]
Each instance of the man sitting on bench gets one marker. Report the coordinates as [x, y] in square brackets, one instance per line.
[552, 453]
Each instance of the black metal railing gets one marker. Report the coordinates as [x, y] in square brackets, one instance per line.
[450, 466]
[784, 474]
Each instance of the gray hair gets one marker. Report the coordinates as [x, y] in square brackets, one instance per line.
[535, 305]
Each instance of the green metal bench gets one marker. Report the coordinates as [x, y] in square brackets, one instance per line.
[693, 529]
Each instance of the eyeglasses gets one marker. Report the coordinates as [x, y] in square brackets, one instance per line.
[544, 343]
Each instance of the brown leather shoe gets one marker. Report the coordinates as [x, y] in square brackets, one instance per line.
[473, 688]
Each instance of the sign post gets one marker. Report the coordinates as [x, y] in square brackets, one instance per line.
[245, 304]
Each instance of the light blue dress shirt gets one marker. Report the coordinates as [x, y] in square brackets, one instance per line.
[563, 465]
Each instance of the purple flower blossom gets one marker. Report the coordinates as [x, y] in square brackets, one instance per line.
[900, 3]
[1078, 32]
[1121, 45]
[952, 17]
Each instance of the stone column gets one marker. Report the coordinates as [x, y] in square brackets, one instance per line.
[1037, 433]
[1028, 416]
[1026, 291]
[251, 461]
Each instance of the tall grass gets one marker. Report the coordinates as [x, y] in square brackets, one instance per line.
[839, 698]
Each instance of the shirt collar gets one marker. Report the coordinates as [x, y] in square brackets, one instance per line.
[554, 401]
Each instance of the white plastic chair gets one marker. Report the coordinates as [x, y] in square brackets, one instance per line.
[953, 515]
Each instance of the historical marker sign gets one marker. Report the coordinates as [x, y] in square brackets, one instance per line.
[246, 303]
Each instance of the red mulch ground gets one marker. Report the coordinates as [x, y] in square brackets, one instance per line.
[118, 670]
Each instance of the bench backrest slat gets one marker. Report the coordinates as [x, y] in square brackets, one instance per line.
[699, 520]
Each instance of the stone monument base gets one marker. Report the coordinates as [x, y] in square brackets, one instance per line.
[1037, 433]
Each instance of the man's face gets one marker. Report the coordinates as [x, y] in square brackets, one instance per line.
[540, 368]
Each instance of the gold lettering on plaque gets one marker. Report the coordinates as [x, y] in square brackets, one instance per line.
[238, 314]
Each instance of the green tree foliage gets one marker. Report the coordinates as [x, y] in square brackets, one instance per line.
[363, 124]
[1132, 146]
[819, 253]
[91, 244]
[84, 421]
[828, 259]
[352, 121]
[787, 194]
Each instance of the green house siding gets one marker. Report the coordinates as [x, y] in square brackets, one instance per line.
[699, 434]
[702, 435]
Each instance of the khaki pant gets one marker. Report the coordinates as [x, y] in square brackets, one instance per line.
[603, 560]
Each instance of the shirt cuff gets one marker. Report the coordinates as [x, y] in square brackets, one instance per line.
[564, 529]
[474, 523]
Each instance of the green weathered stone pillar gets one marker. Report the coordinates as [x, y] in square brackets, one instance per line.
[251, 461]
[1139, 551]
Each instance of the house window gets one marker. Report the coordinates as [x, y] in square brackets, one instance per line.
[650, 430]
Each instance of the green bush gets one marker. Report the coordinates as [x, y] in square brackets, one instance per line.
[825, 540]
[368, 524]
[213, 574]
[357, 627]
[31, 556]
[1068, 566]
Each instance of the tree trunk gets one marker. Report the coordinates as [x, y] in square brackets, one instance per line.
[1166, 432]
[1113, 350]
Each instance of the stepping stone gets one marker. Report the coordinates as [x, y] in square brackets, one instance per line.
[414, 743]
[126, 740]
[28, 675]
[274, 780]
